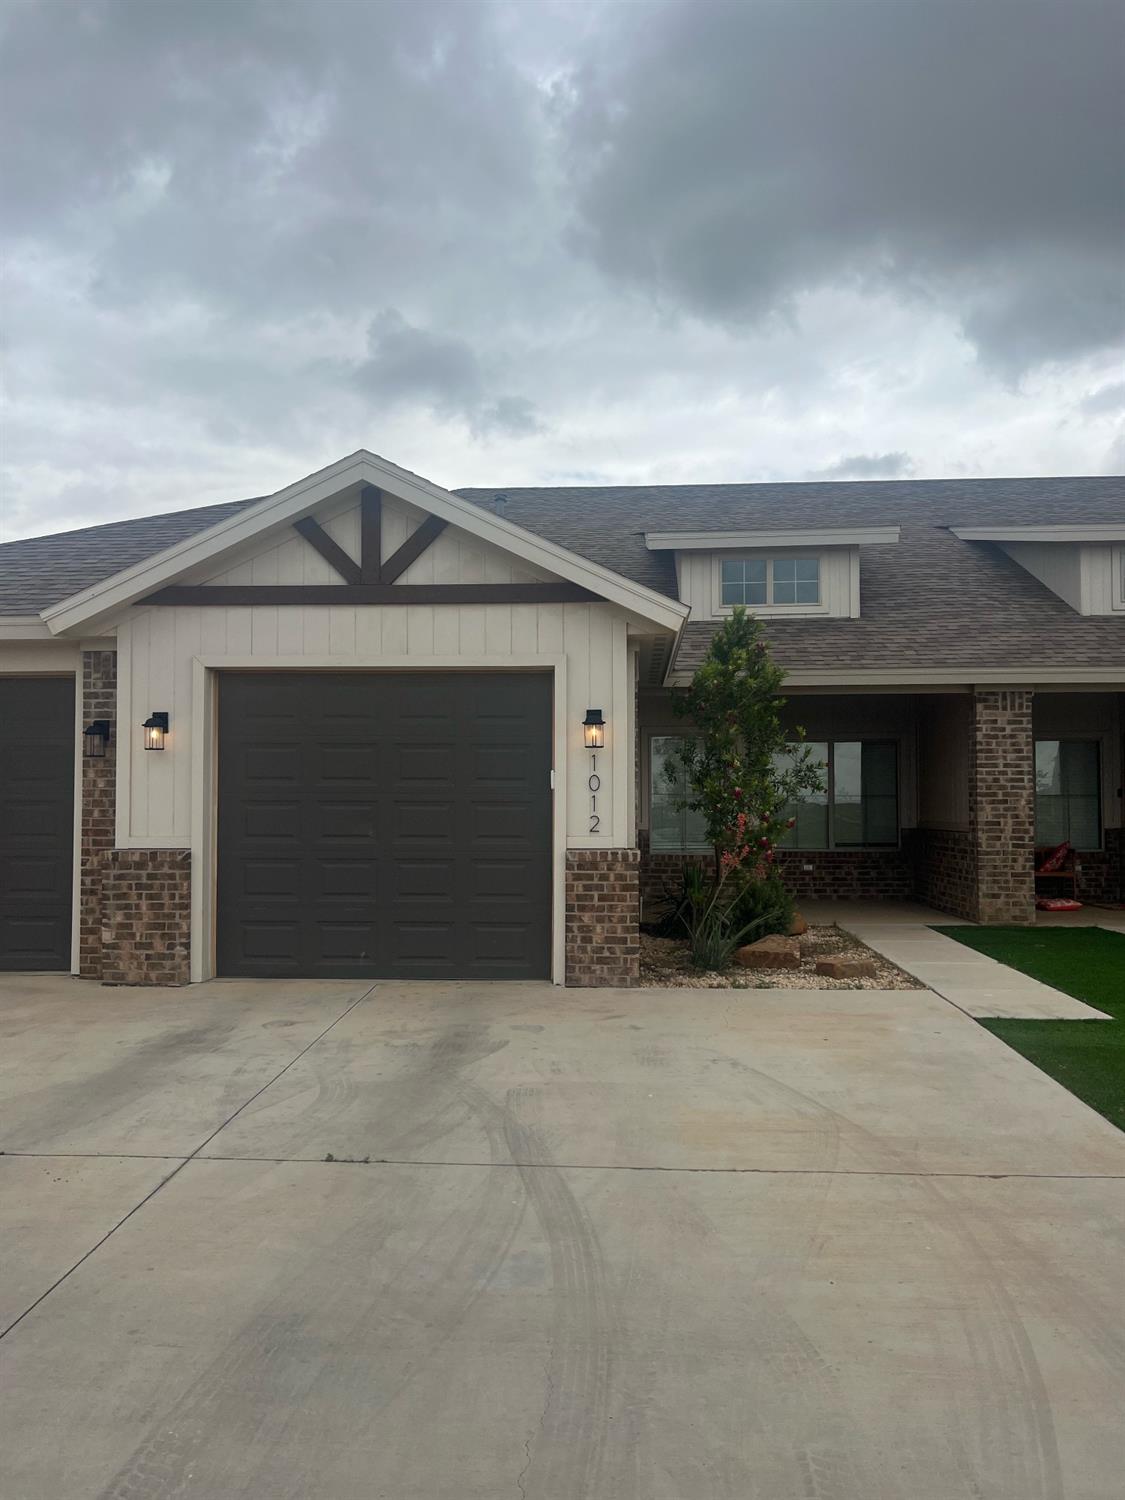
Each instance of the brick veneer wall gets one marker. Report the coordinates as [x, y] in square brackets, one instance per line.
[1002, 804]
[1101, 872]
[847, 874]
[603, 946]
[146, 916]
[945, 869]
[99, 806]
[835, 874]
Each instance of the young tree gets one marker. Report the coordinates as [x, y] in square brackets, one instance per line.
[741, 766]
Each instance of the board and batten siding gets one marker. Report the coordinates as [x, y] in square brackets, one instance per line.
[699, 580]
[158, 649]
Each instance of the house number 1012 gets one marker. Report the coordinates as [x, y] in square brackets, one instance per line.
[594, 782]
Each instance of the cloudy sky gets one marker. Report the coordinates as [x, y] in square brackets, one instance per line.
[539, 242]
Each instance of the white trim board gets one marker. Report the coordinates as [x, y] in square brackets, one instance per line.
[818, 536]
[843, 679]
[278, 511]
[1092, 531]
[204, 795]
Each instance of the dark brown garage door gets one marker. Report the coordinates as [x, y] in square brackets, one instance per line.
[37, 733]
[384, 825]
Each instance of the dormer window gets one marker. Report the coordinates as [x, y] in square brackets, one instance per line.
[770, 581]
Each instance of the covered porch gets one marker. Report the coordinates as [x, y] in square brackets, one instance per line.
[942, 798]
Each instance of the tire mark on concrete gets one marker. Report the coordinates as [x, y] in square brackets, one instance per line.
[278, 1363]
[566, 1455]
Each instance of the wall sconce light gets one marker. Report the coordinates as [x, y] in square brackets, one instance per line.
[593, 729]
[155, 728]
[95, 738]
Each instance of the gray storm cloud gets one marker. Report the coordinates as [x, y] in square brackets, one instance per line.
[732, 155]
[507, 242]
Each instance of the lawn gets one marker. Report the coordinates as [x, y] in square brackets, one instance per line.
[1087, 1057]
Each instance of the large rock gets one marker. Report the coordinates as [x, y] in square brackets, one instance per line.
[770, 953]
[845, 968]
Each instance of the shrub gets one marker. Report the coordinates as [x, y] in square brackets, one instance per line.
[768, 902]
[716, 924]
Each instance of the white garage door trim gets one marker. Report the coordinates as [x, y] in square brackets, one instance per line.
[204, 778]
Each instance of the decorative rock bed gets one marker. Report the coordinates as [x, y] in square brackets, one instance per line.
[665, 965]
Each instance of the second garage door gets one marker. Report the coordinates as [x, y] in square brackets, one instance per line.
[384, 825]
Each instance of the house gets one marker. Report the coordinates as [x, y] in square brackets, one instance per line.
[369, 726]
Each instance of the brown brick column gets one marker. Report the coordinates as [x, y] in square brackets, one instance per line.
[603, 939]
[1002, 804]
[146, 904]
[99, 806]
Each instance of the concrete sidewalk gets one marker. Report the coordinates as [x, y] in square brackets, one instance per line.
[976, 984]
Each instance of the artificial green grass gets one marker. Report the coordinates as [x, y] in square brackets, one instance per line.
[1086, 1057]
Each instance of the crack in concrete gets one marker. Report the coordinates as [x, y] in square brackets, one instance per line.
[182, 1163]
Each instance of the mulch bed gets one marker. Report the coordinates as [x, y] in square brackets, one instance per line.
[665, 965]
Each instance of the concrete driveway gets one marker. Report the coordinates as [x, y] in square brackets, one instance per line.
[335, 1241]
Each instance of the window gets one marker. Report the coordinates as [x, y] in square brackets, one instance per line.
[671, 827]
[857, 807]
[1068, 793]
[770, 580]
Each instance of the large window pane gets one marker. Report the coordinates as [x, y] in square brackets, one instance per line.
[796, 580]
[670, 826]
[1068, 793]
[880, 794]
[744, 580]
[810, 830]
[862, 807]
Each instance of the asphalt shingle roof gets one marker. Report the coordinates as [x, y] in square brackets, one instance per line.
[931, 600]
[43, 570]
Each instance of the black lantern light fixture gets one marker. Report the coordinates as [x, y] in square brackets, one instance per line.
[593, 729]
[95, 738]
[155, 728]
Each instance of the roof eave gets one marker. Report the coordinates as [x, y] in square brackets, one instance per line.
[819, 536]
[122, 589]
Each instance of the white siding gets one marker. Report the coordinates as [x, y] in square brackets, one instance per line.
[698, 574]
[158, 647]
[455, 556]
[1103, 571]
[1056, 564]
[1088, 576]
[27, 658]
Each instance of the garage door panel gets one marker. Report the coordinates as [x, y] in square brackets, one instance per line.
[426, 767]
[343, 879]
[276, 822]
[271, 764]
[271, 877]
[422, 822]
[431, 880]
[351, 763]
[345, 941]
[333, 822]
[425, 826]
[37, 733]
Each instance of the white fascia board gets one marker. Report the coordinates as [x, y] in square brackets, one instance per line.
[1103, 531]
[23, 628]
[279, 510]
[848, 677]
[821, 536]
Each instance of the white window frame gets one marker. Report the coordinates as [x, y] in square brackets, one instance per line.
[769, 558]
[1118, 600]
